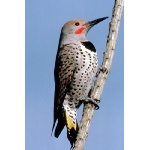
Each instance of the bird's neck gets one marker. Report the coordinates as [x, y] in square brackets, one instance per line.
[70, 38]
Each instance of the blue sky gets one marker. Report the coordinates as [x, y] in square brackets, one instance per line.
[44, 20]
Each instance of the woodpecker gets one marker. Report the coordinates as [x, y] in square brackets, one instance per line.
[75, 67]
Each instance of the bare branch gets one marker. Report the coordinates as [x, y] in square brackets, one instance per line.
[96, 93]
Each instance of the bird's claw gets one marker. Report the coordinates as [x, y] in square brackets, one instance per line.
[103, 69]
[93, 101]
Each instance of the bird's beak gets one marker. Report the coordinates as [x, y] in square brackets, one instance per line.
[90, 24]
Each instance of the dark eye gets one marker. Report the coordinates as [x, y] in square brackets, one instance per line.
[77, 23]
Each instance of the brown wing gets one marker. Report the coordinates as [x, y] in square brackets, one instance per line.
[63, 73]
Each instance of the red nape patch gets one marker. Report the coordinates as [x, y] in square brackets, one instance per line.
[79, 31]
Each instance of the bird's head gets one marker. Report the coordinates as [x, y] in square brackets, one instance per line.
[76, 30]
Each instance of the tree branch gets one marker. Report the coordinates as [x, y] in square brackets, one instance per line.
[96, 92]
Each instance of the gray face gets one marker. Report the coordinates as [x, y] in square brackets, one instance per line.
[74, 32]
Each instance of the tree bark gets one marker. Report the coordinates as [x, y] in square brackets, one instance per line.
[96, 92]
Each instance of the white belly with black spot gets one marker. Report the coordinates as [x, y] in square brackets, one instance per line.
[86, 68]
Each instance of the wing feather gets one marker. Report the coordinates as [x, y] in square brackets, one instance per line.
[63, 73]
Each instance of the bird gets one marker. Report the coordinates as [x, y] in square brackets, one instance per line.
[76, 65]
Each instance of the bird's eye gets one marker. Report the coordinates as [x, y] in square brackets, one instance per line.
[77, 23]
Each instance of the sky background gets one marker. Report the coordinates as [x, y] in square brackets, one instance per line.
[136, 81]
[44, 20]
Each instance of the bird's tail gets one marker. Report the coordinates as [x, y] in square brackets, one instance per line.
[72, 127]
[60, 125]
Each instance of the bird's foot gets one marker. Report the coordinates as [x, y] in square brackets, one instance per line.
[103, 69]
[93, 101]
[98, 72]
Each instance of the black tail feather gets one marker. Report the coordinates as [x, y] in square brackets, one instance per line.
[59, 127]
[72, 134]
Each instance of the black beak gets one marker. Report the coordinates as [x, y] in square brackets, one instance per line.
[90, 24]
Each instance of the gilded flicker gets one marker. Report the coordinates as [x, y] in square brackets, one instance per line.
[75, 67]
